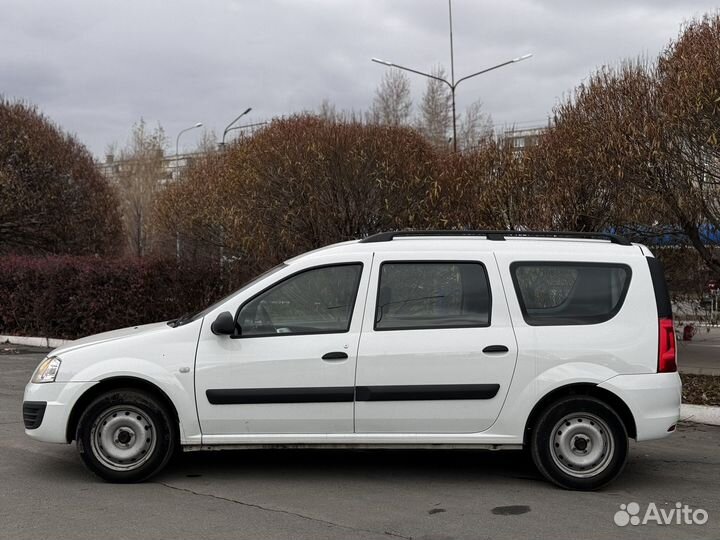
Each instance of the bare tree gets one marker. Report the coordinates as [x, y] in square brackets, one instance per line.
[436, 110]
[392, 104]
[140, 178]
[208, 142]
[476, 127]
[328, 111]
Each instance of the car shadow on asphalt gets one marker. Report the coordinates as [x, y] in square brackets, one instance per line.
[452, 465]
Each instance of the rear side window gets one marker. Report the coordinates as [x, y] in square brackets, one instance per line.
[567, 293]
[414, 295]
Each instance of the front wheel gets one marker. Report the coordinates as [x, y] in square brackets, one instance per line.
[580, 443]
[126, 436]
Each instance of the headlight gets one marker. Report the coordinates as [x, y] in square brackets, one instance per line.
[47, 370]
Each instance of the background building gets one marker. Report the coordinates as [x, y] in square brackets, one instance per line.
[520, 139]
[169, 170]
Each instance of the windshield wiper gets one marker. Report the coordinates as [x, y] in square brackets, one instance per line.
[180, 320]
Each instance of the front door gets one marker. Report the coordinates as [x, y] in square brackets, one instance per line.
[438, 351]
[292, 368]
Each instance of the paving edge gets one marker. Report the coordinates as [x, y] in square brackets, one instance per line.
[701, 414]
[34, 341]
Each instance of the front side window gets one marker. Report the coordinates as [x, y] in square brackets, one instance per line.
[560, 293]
[315, 301]
[432, 295]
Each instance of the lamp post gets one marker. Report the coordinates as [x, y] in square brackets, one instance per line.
[452, 83]
[177, 141]
[177, 155]
[228, 128]
[244, 126]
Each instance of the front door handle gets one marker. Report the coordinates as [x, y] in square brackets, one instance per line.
[335, 356]
[495, 349]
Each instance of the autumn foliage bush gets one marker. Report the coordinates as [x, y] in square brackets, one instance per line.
[305, 182]
[53, 199]
[636, 146]
[70, 297]
[301, 183]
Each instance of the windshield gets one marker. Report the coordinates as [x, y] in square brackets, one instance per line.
[190, 317]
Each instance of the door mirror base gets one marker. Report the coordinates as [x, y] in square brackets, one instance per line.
[224, 324]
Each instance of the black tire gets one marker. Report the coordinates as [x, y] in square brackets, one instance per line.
[558, 450]
[126, 435]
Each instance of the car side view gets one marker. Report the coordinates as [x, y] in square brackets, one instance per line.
[560, 343]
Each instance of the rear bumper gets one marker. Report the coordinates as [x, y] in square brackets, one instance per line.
[654, 400]
[59, 399]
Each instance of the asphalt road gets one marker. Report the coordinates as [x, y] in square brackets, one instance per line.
[45, 492]
[700, 356]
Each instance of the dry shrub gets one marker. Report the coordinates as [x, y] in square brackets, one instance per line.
[52, 197]
[302, 183]
[70, 297]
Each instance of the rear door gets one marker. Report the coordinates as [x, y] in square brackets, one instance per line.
[437, 350]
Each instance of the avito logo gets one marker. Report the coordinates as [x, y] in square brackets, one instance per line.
[681, 514]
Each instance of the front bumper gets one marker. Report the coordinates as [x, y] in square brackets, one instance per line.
[654, 400]
[59, 399]
[33, 413]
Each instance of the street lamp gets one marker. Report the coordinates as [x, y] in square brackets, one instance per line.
[244, 126]
[452, 83]
[177, 141]
[228, 128]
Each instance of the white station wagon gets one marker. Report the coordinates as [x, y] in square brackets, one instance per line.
[560, 343]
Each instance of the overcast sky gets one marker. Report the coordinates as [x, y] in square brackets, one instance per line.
[97, 66]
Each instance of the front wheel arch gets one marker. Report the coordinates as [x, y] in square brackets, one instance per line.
[581, 389]
[114, 383]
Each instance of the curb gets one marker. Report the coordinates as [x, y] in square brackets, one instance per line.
[700, 414]
[34, 341]
[710, 371]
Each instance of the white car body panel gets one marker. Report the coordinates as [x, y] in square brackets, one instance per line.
[280, 361]
[619, 356]
[60, 398]
[654, 401]
[437, 356]
[155, 353]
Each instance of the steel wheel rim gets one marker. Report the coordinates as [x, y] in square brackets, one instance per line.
[123, 437]
[582, 445]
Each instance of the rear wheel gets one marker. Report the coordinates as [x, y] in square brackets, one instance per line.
[579, 442]
[126, 436]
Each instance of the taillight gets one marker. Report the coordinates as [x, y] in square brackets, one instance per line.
[667, 359]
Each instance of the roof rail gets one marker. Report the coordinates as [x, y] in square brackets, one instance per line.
[498, 235]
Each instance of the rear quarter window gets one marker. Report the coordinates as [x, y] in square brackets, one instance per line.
[569, 293]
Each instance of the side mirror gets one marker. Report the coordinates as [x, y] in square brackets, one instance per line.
[224, 325]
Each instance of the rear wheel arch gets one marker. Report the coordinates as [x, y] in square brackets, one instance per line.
[581, 389]
[113, 383]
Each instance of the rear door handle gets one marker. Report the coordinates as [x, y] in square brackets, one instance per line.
[495, 349]
[335, 356]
